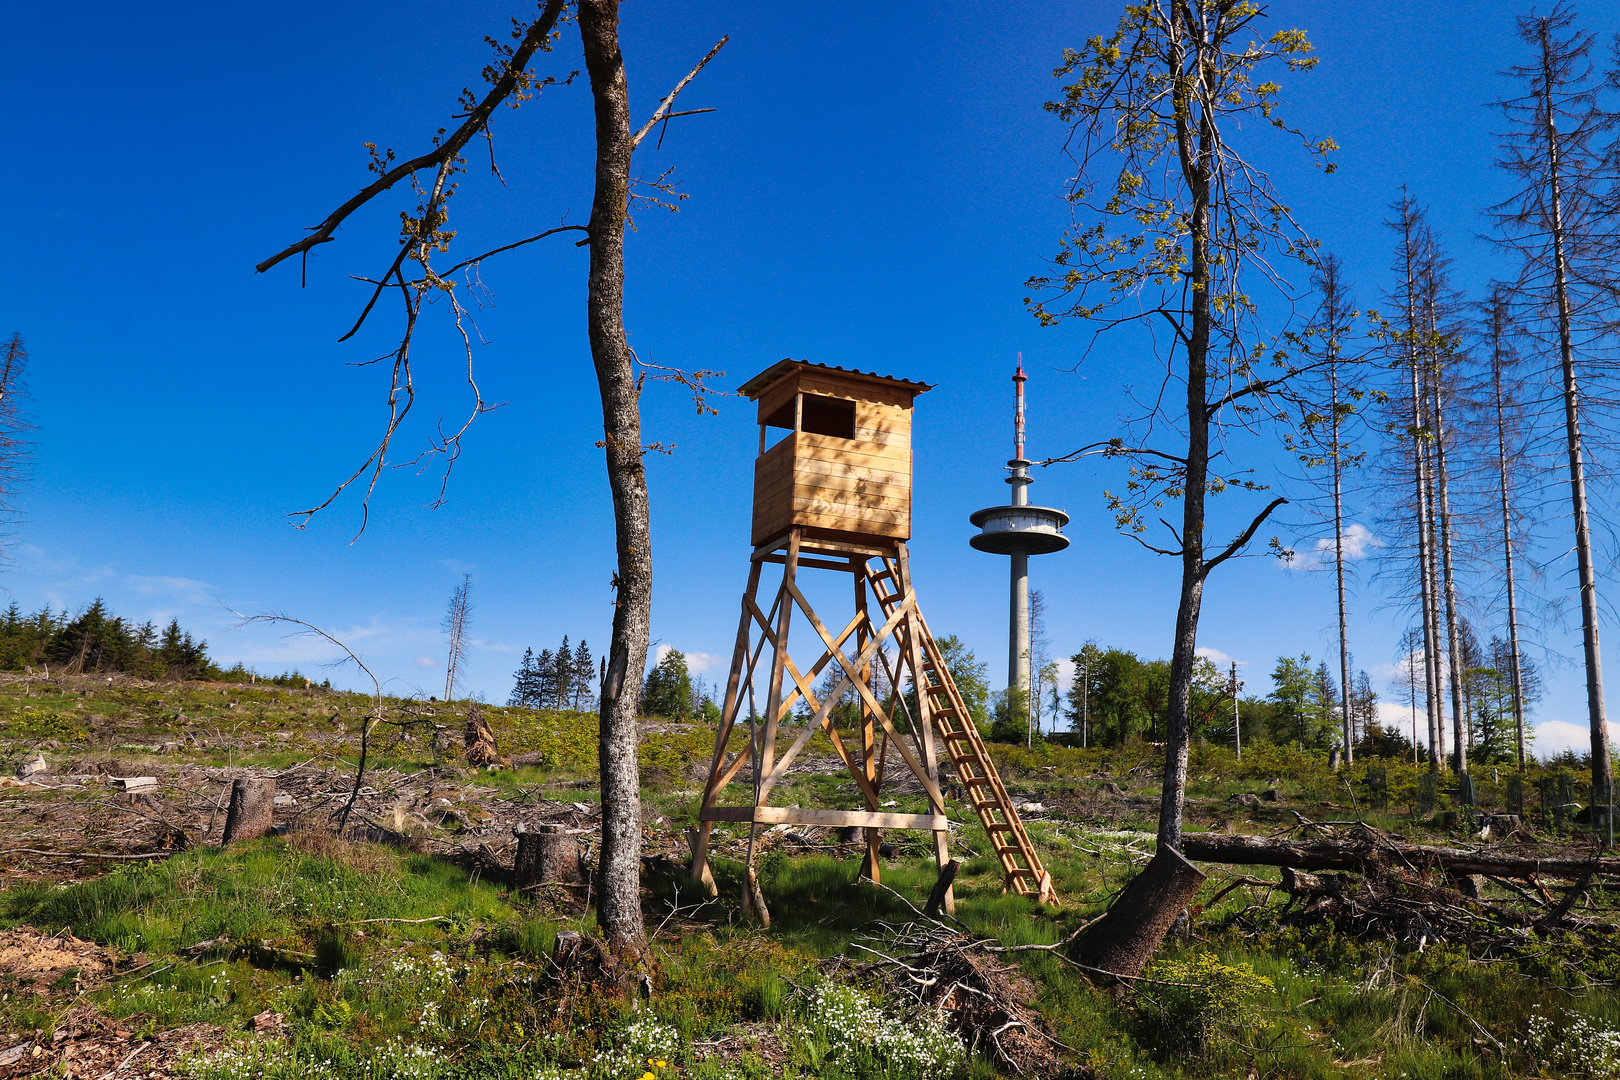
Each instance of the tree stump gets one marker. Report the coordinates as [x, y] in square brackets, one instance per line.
[479, 739]
[545, 855]
[253, 802]
[1126, 937]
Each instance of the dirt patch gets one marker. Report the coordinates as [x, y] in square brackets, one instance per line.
[38, 962]
[88, 1043]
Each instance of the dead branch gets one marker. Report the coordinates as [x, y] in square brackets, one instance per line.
[538, 35]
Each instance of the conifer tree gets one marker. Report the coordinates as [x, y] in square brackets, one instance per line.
[1558, 145]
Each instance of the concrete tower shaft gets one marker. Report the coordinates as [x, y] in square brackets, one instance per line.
[1019, 530]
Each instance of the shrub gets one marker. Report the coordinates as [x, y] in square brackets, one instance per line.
[1189, 1000]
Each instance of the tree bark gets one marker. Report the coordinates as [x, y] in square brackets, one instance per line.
[253, 802]
[1357, 854]
[1497, 331]
[1597, 715]
[1128, 935]
[1193, 139]
[1442, 480]
[1408, 227]
[544, 855]
[619, 872]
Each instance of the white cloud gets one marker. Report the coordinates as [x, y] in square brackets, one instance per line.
[1065, 674]
[425, 662]
[1359, 542]
[1398, 716]
[696, 662]
[188, 589]
[1216, 657]
[1556, 736]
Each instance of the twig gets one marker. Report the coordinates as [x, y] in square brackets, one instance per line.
[86, 854]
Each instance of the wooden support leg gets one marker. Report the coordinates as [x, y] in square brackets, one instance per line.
[871, 865]
[698, 840]
[925, 725]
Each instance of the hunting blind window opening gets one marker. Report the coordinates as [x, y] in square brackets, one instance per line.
[818, 415]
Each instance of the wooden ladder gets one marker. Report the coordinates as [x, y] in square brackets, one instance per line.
[1025, 873]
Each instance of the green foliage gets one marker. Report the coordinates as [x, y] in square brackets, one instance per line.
[1193, 999]
[667, 691]
[970, 675]
[1011, 723]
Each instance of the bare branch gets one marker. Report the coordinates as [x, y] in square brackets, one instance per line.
[1248, 534]
[516, 244]
[539, 33]
[663, 106]
[370, 723]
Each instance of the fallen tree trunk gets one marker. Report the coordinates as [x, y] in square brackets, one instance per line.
[1356, 853]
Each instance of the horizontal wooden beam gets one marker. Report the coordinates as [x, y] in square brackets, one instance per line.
[819, 564]
[791, 815]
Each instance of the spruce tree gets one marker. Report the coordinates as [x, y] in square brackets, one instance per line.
[1559, 147]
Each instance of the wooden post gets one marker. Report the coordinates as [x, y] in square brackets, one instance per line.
[925, 722]
[728, 718]
[871, 866]
[547, 854]
[253, 801]
[765, 753]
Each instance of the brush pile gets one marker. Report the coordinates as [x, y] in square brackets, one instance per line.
[1489, 898]
[986, 1002]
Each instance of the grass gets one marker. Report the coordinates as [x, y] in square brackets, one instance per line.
[463, 993]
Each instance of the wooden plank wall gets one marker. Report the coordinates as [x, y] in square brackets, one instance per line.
[860, 486]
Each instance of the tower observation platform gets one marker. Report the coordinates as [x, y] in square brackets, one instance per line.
[1019, 530]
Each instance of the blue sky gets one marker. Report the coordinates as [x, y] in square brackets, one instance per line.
[876, 184]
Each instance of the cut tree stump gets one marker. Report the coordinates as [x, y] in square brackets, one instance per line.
[942, 887]
[479, 738]
[544, 855]
[253, 803]
[1126, 937]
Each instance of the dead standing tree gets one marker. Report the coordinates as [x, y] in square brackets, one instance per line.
[424, 235]
[1171, 225]
[1559, 145]
[455, 628]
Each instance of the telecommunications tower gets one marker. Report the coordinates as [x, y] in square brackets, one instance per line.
[1019, 530]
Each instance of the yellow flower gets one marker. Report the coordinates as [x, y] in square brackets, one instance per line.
[662, 1064]
[648, 1076]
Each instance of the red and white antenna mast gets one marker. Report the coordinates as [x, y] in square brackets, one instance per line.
[1019, 378]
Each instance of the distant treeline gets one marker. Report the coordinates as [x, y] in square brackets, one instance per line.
[97, 641]
[565, 679]
[1116, 695]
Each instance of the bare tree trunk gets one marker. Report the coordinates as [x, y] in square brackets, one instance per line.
[1436, 653]
[1453, 637]
[1338, 567]
[1193, 146]
[1602, 770]
[455, 625]
[1507, 529]
[1128, 935]
[1425, 582]
[1408, 226]
[618, 882]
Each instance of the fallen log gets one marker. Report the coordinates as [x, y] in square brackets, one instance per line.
[1357, 852]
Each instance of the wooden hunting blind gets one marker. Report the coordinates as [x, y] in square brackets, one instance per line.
[844, 466]
[834, 494]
